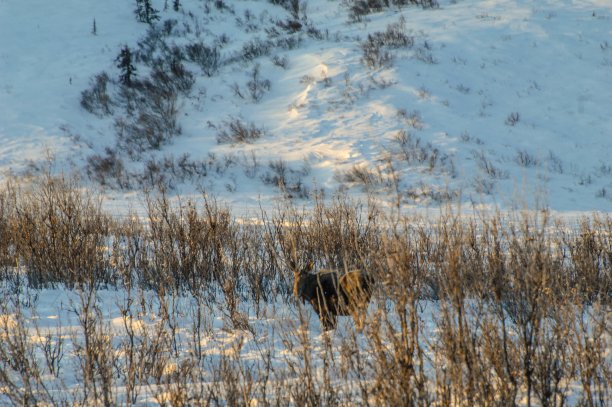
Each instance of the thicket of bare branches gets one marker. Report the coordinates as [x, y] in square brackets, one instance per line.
[521, 304]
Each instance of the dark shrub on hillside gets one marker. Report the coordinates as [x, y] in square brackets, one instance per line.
[375, 50]
[107, 169]
[96, 99]
[292, 6]
[235, 130]
[257, 85]
[255, 48]
[360, 8]
[208, 58]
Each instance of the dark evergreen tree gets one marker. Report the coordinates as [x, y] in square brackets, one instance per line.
[94, 28]
[124, 63]
[140, 14]
[145, 12]
[176, 5]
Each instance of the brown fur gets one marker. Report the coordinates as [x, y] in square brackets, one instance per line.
[331, 295]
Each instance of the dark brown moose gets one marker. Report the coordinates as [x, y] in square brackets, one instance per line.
[332, 294]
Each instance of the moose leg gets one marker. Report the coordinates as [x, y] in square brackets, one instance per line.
[326, 315]
[327, 307]
[328, 320]
[359, 317]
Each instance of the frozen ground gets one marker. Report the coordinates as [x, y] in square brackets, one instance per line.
[271, 336]
[153, 350]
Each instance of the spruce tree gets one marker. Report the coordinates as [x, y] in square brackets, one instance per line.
[145, 12]
[124, 63]
[176, 5]
[140, 15]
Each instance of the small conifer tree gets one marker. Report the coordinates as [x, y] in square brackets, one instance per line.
[94, 28]
[145, 12]
[124, 63]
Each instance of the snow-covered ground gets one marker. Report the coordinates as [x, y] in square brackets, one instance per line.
[512, 98]
[273, 335]
[495, 102]
[140, 348]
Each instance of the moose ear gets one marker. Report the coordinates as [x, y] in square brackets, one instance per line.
[310, 265]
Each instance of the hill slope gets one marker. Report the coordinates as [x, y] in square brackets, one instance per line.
[491, 102]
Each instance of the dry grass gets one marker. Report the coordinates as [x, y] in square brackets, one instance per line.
[522, 305]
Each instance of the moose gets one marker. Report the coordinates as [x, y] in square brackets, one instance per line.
[332, 295]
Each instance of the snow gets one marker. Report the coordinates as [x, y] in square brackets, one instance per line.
[275, 331]
[473, 66]
[548, 62]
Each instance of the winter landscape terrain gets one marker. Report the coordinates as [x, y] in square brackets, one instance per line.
[164, 162]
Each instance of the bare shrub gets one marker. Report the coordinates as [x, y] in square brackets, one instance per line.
[256, 85]
[591, 258]
[157, 174]
[155, 125]
[362, 175]
[94, 354]
[589, 344]
[602, 193]
[169, 76]
[513, 119]
[254, 49]
[499, 309]
[394, 37]
[107, 169]
[248, 21]
[60, 234]
[412, 151]
[280, 61]
[7, 241]
[287, 179]
[554, 163]
[485, 164]
[374, 56]
[483, 185]
[152, 42]
[235, 130]
[411, 148]
[413, 118]
[251, 165]
[525, 159]
[394, 336]
[358, 9]
[21, 375]
[290, 25]
[207, 57]
[339, 236]
[287, 42]
[169, 25]
[292, 6]
[96, 100]
[169, 171]
[148, 131]
[467, 138]
[431, 193]
[424, 54]
[375, 50]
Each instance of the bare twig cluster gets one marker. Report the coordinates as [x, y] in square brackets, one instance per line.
[487, 310]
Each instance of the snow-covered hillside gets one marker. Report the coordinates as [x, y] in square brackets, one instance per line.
[500, 102]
